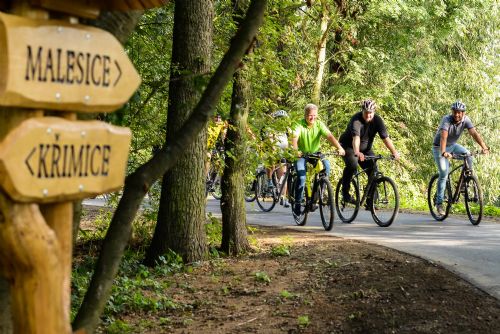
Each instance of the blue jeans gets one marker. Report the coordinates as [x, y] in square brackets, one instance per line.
[443, 165]
[300, 167]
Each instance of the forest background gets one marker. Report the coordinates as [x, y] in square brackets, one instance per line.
[414, 58]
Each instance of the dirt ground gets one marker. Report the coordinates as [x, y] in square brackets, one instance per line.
[324, 285]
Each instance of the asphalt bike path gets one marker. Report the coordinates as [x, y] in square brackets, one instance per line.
[472, 252]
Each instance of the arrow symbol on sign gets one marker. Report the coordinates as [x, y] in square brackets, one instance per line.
[27, 160]
[119, 75]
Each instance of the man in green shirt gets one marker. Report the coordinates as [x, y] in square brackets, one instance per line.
[307, 139]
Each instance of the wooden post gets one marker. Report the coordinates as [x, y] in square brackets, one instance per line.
[35, 253]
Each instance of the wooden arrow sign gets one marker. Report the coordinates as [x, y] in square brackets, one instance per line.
[57, 65]
[50, 159]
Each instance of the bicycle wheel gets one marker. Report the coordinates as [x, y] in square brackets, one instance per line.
[216, 191]
[431, 198]
[326, 208]
[384, 203]
[473, 199]
[300, 219]
[347, 210]
[265, 194]
[250, 190]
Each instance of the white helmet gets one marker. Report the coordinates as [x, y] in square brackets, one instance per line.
[280, 113]
[458, 105]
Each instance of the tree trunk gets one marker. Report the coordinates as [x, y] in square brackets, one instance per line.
[321, 54]
[181, 216]
[138, 183]
[234, 233]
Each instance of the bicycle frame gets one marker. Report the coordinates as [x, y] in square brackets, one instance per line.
[465, 170]
[371, 180]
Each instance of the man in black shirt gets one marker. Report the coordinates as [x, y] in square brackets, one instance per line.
[357, 141]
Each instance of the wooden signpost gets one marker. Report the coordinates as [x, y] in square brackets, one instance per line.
[50, 159]
[62, 66]
[45, 162]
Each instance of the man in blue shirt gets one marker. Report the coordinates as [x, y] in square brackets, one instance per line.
[445, 145]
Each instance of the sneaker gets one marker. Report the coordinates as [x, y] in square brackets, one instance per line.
[349, 199]
[440, 210]
[313, 207]
[281, 201]
[286, 204]
[270, 184]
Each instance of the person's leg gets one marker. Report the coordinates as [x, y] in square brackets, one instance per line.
[443, 166]
[459, 149]
[326, 165]
[300, 167]
[351, 163]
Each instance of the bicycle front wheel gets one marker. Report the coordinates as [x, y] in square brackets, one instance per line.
[384, 203]
[347, 208]
[265, 193]
[301, 218]
[216, 189]
[473, 199]
[431, 198]
[326, 209]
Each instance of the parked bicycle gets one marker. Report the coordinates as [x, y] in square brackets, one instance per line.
[317, 192]
[269, 192]
[460, 181]
[380, 196]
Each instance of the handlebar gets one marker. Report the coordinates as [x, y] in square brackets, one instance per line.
[378, 157]
[461, 156]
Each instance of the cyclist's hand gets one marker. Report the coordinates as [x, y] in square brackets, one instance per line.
[485, 151]
[361, 156]
[341, 152]
[299, 154]
[396, 155]
[447, 155]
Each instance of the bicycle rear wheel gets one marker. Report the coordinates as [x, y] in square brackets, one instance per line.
[264, 193]
[326, 209]
[250, 190]
[216, 191]
[300, 219]
[473, 199]
[347, 208]
[431, 198]
[384, 202]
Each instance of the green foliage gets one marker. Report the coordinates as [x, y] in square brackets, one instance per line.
[280, 250]
[262, 276]
[303, 321]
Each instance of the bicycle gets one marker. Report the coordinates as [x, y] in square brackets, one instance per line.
[380, 196]
[213, 177]
[466, 184]
[267, 196]
[317, 192]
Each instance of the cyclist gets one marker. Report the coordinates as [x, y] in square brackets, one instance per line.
[216, 132]
[357, 140]
[445, 145]
[306, 139]
[280, 141]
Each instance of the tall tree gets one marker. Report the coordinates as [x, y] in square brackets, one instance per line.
[234, 233]
[181, 216]
[138, 182]
[321, 51]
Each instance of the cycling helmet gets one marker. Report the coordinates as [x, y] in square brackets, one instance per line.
[280, 113]
[458, 105]
[368, 105]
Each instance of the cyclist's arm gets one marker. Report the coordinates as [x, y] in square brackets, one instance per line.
[442, 143]
[335, 143]
[356, 140]
[295, 145]
[390, 145]
[479, 140]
